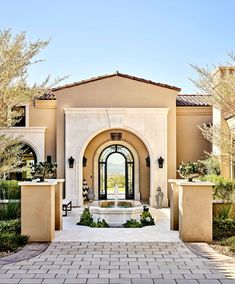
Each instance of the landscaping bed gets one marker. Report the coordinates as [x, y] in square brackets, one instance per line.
[222, 249]
[11, 240]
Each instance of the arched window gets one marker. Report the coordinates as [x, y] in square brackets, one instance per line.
[116, 166]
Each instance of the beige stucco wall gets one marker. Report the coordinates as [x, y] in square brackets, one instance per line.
[117, 92]
[190, 142]
[43, 113]
[139, 146]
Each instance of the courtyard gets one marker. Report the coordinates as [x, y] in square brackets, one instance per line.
[159, 233]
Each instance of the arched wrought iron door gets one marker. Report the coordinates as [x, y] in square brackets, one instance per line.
[129, 170]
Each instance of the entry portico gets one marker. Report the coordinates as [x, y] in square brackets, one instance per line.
[144, 112]
[83, 124]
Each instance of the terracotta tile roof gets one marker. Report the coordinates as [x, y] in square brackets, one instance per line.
[120, 75]
[48, 96]
[193, 100]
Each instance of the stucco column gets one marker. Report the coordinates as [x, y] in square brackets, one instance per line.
[174, 204]
[195, 211]
[38, 210]
[58, 202]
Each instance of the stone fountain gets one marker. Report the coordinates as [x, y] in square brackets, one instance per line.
[116, 212]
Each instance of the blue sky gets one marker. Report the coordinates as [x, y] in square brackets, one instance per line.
[152, 39]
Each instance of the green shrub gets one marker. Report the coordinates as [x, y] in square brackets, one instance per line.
[86, 218]
[223, 228]
[11, 241]
[232, 247]
[212, 165]
[132, 223]
[224, 188]
[99, 224]
[146, 219]
[9, 189]
[228, 242]
[11, 226]
[223, 212]
[10, 211]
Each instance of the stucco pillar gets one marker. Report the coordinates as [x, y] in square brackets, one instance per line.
[58, 202]
[195, 211]
[174, 204]
[38, 210]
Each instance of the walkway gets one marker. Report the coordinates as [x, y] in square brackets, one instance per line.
[76, 262]
[116, 255]
[159, 233]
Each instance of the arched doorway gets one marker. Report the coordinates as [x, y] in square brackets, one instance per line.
[28, 157]
[116, 167]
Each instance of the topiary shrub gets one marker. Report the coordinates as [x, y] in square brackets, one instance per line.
[12, 241]
[99, 224]
[223, 228]
[132, 223]
[146, 219]
[86, 218]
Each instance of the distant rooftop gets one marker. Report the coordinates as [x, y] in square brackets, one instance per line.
[193, 100]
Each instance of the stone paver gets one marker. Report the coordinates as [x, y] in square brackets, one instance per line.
[104, 262]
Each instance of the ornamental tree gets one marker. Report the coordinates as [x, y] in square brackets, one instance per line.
[16, 56]
[220, 86]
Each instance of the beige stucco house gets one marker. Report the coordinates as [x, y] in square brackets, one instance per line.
[81, 125]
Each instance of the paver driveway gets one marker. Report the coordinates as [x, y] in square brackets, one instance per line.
[136, 262]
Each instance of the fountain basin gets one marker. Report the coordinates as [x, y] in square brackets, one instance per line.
[116, 216]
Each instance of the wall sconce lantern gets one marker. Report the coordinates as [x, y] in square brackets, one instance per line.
[160, 162]
[84, 160]
[71, 162]
[147, 161]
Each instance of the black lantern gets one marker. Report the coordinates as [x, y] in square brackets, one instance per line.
[160, 162]
[84, 160]
[71, 162]
[147, 161]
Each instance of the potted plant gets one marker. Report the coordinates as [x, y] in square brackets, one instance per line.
[191, 170]
[43, 170]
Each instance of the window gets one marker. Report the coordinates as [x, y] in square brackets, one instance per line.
[19, 116]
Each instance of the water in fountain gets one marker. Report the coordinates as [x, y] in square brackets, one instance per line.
[116, 195]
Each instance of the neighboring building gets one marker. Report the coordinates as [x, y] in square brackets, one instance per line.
[137, 120]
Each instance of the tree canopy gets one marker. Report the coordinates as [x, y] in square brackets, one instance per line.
[16, 56]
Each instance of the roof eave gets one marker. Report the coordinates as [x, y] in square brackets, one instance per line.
[113, 75]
